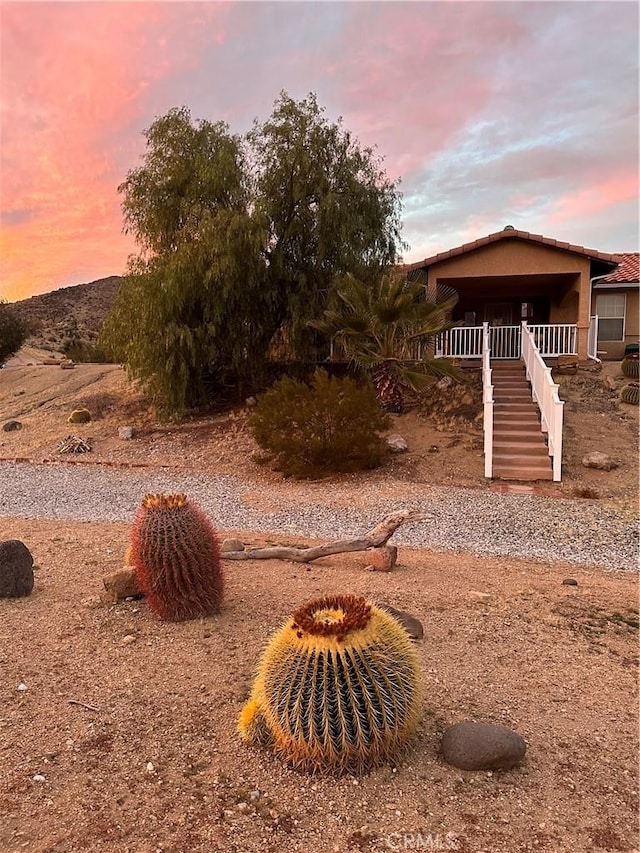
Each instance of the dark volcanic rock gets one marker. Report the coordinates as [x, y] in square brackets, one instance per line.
[482, 746]
[16, 569]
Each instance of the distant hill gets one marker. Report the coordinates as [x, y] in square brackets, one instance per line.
[69, 320]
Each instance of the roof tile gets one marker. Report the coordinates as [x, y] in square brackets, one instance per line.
[513, 233]
[627, 271]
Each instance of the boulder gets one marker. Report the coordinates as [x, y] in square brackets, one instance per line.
[231, 545]
[10, 426]
[381, 559]
[482, 746]
[121, 584]
[397, 444]
[16, 569]
[412, 626]
[601, 461]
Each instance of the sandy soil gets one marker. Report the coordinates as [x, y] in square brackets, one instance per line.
[443, 448]
[150, 760]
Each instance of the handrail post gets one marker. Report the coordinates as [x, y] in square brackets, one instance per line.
[487, 401]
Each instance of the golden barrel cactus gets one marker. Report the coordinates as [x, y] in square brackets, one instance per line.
[176, 555]
[339, 688]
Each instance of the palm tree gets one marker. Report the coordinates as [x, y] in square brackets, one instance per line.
[383, 327]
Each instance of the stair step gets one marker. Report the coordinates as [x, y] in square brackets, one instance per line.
[502, 472]
[515, 407]
[508, 418]
[506, 436]
[520, 450]
[504, 426]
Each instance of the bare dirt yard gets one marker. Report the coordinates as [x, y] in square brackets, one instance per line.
[118, 731]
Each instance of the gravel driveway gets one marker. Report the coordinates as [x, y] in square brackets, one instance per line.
[481, 522]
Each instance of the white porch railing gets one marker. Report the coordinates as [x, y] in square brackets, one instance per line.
[459, 342]
[558, 339]
[545, 393]
[506, 341]
[487, 400]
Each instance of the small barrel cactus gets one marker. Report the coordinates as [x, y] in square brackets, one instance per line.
[630, 365]
[176, 555]
[79, 416]
[631, 393]
[339, 688]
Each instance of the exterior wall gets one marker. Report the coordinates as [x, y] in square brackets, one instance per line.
[518, 257]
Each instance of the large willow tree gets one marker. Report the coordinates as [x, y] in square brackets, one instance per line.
[240, 237]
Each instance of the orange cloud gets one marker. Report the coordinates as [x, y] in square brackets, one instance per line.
[77, 78]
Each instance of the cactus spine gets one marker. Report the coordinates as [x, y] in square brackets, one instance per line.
[631, 393]
[176, 555]
[339, 688]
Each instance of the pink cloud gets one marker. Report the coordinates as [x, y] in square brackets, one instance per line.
[92, 72]
[595, 198]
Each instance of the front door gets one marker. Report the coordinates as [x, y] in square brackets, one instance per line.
[498, 313]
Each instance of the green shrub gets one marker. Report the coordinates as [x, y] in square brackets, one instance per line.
[331, 425]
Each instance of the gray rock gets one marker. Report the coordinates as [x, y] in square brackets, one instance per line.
[599, 460]
[16, 569]
[482, 746]
[125, 432]
[10, 426]
[412, 626]
[397, 444]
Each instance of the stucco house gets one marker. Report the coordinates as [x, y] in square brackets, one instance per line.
[616, 302]
[511, 276]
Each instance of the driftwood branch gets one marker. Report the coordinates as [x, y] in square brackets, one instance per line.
[375, 538]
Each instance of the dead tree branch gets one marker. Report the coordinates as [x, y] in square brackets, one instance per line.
[375, 538]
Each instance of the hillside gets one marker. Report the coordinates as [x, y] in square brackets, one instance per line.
[68, 316]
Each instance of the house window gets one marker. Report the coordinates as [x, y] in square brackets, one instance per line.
[610, 309]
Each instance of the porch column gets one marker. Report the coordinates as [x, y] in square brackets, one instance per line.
[583, 319]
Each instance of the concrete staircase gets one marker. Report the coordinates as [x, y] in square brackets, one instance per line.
[519, 447]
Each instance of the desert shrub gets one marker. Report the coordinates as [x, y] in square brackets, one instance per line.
[330, 425]
[79, 416]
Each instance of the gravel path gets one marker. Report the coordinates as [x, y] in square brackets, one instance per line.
[457, 519]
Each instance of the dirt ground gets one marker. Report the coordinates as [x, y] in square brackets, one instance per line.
[445, 448]
[117, 731]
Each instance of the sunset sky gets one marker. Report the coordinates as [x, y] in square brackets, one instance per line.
[492, 113]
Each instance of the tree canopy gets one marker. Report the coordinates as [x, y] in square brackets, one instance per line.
[240, 237]
[13, 331]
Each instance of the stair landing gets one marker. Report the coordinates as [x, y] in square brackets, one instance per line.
[519, 447]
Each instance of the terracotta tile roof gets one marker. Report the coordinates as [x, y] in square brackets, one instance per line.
[628, 271]
[513, 234]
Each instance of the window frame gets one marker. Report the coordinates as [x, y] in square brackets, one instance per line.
[609, 316]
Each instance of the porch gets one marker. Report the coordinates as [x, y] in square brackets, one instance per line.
[505, 342]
